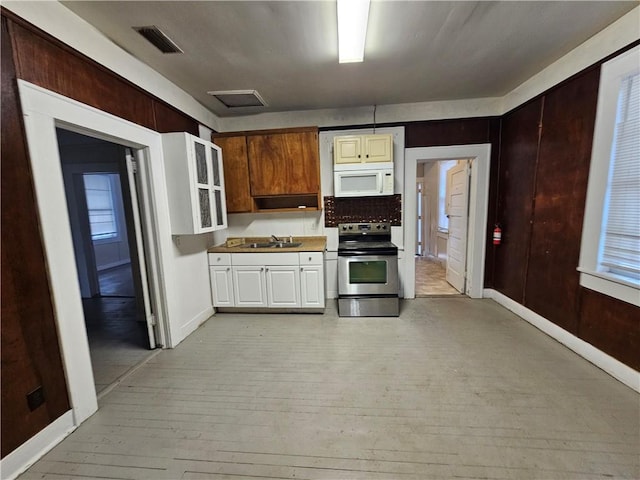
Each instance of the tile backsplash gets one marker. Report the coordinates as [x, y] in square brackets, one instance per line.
[363, 209]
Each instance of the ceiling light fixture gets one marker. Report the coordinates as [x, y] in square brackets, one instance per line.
[353, 16]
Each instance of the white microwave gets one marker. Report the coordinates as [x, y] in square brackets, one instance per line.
[363, 179]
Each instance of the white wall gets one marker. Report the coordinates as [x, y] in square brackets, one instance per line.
[431, 187]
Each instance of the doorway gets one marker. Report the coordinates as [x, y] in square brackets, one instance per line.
[435, 267]
[100, 201]
[479, 165]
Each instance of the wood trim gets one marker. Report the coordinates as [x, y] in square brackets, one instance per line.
[265, 132]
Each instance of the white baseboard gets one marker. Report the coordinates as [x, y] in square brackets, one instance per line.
[613, 367]
[33, 449]
[196, 321]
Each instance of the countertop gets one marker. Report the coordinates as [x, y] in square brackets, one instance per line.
[309, 244]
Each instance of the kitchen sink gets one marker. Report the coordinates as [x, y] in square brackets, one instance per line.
[286, 244]
[257, 245]
[271, 245]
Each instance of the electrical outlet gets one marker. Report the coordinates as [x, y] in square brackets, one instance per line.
[35, 398]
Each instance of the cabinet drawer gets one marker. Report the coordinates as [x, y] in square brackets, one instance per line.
[288, 258]
[219, 259]
[311, 258]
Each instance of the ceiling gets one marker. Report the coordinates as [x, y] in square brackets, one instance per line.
[416, 51]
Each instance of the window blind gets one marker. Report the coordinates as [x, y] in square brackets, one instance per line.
[621, 235]
[102, 218]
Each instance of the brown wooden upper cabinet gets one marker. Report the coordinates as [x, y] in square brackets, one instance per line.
[272, 169]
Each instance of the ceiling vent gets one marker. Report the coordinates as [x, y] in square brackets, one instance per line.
[156, 37]
[239, 98]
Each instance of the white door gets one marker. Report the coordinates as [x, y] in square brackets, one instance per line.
[283, 286]
[457, 208]
[143, 287]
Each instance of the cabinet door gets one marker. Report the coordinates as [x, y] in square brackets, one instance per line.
[284, 163]
[378, 148]
[218, 187]
[202, 171]
[221, 286]
[312, 286]
[304, 169]
[249, 286]
[283, 286]
[347, 149]
[236, 173]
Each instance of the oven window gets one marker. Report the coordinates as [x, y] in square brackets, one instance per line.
[368, 272]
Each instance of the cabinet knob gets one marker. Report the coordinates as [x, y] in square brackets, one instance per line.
[309, 258]
[228, 269]
[301, 269]
[265, 269]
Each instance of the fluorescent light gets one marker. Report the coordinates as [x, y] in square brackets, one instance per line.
[353, 16]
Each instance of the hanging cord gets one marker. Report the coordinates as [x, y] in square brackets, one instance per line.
[374, 118]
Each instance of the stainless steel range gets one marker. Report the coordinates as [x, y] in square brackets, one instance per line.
[368, 283]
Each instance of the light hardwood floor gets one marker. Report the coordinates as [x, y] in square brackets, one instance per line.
[431, 279]
[453, 388]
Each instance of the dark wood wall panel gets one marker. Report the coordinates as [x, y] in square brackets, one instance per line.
[495, 139]
[168, 119]
[447, 132]
[53, 67]
[45, 61]
[561, 184]
[30, 352]
[611, 325]
[518, 154]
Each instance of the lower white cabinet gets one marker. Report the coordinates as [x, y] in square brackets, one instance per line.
[267, 280]
[249, 286]
[221, 279]
[311, 280]
[283, 286]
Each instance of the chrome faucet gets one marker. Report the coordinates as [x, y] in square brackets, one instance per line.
[275, 238]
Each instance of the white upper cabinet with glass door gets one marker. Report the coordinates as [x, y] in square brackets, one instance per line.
[195, 184]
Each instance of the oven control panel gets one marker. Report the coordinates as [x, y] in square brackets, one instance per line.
[364, 228]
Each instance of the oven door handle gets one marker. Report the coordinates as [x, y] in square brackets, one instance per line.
[378, 253]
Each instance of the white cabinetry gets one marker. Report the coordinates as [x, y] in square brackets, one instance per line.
[283, 286]
[311, 280]
[267, 280]
[249, 286]
[221, 279]
[363, 148]
[195, 184]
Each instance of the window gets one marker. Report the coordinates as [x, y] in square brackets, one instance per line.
[610, 250]
[98, 189]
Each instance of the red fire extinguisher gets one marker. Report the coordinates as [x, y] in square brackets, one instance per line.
[497, 235]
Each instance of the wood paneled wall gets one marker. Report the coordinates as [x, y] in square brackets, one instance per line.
[545, 152]
[30, 350]
[540, 159]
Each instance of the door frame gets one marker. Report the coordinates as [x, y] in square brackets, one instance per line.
[43, 111]
[480, 155]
